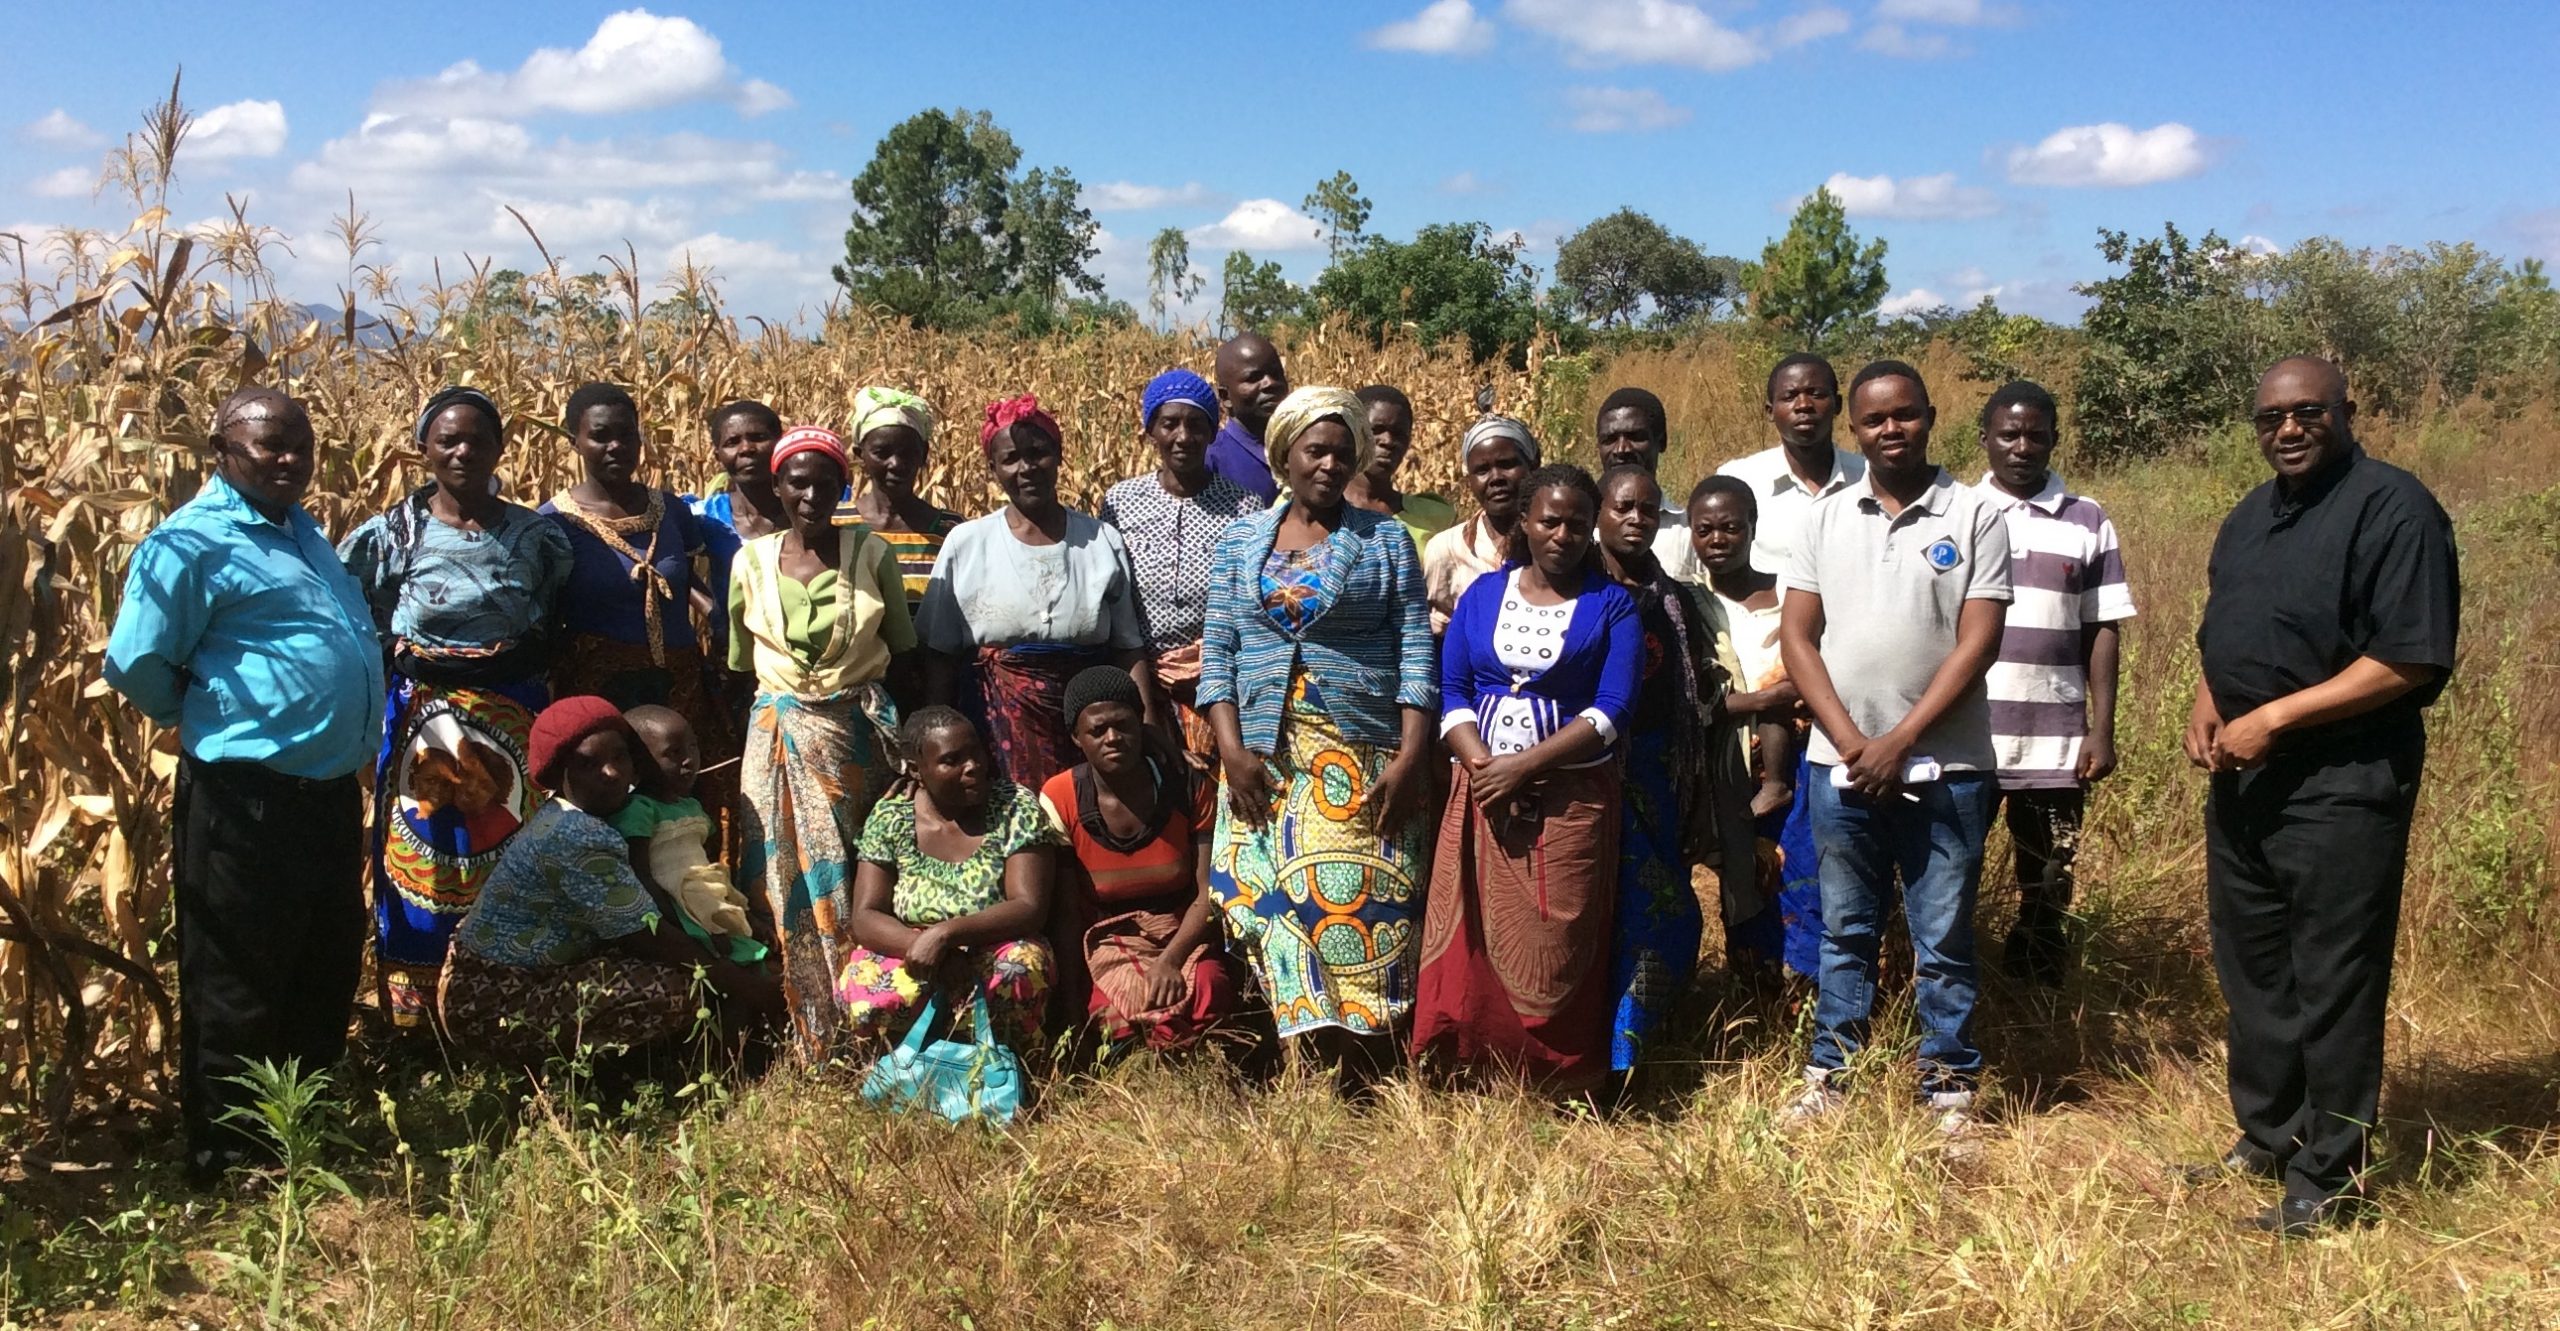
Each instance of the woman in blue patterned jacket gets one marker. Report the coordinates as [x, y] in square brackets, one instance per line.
[1317, 675]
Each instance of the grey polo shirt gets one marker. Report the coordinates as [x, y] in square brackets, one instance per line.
[1892, 589]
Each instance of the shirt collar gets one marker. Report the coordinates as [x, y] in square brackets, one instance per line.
[2050, 498]
[1846, 468]
[2318, 484]
[224, 498]
[1932, 501]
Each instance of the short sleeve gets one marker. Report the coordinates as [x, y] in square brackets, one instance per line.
[1025, 825]
[889, 832]
[1122, 628]
[2106, 596]
[1804, 573]
[638, 818]
[1989, 579]
[2411, 607]
[361, 552]
[939, 620]
[597, 887]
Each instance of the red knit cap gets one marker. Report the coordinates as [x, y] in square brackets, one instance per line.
[562, 727]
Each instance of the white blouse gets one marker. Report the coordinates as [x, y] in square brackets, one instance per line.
[989, 589]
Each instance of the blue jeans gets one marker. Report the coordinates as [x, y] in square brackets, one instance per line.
[1935, 841]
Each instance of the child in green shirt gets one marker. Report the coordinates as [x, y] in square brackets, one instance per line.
[670, 835]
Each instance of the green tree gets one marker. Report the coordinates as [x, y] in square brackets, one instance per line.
[1455, 279]
[1171, 280]
[1336, 203]
[1255, 295]
[1626, 264]
[928, 240]
[2448, 301]
[1056, 232]
[2524, 332]
[1815, 282]
[2173, 343]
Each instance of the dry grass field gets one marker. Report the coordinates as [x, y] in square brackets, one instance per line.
[1174, 1195]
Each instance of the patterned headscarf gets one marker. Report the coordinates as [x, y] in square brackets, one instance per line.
[1299, 412]
[875, 407]
[1177, 385]
[1491, 426]
[1024, 410]
[458, 396]
[809, 439]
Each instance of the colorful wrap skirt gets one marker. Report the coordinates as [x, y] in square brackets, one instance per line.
[813, 769]
[1317, 901]
[1653, 950]
[1020, 706]
[450, 787]
[1515, 937]
[882, 994]
[1117, 953]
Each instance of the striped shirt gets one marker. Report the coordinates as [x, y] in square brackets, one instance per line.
[2066, 573]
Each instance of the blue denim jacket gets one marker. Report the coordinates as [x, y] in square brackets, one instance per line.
[1368, 647]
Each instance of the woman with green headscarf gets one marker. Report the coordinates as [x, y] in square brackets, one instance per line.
[892, 434]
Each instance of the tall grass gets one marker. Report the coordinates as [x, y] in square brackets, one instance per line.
[1154, 1195]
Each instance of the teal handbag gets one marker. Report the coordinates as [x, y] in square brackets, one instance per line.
[964, 1083]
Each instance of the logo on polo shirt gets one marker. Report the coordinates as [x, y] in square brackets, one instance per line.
[1942, 554]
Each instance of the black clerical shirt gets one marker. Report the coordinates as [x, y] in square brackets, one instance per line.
[2359, 561]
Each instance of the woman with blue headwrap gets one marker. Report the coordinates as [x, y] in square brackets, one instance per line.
[466, 591]
[1170, 519]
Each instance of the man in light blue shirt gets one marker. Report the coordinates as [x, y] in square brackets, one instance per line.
[240, 628]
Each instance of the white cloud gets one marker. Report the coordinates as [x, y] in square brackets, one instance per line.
[71, 182]
[1661, 32]
[1260, 225]
[1810, 26]
[636, 61]
[1913, 301]
[240, 129]
[1914, 197]
[1621, 110]
[2109, 155]
[1952, 13]
[1444, 27]
[406, 152]
[58, 129]
[1901, 43]
[1123, 196]
[1465, 182]
[2254, 243]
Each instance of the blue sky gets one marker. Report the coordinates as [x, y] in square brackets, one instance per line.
[1986, 140]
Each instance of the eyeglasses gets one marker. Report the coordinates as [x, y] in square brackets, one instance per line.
[2306, 416]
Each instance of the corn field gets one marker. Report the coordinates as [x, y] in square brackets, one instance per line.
[120, 348]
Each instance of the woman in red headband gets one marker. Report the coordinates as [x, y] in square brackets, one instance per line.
[1031, 594]
[817, 616]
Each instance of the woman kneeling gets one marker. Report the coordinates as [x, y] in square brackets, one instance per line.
[565, 949]
[953, 889]
[1134, 914]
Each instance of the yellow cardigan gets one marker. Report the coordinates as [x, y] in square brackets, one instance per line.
[869, 625]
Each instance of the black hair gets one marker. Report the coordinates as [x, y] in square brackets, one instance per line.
[1731, 487]
[1388, 394]
[1792, 360]
[926, 722]
[1609, 477]
[2021, 393]
[1888, 369]
[1642, 402]
[591, 396]
[728, 411]
[1553, 476]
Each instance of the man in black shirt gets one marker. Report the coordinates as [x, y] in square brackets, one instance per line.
[2328, 628]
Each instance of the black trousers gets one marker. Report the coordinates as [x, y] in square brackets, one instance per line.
[268, 874]
[2044, 836]
[2304, 859]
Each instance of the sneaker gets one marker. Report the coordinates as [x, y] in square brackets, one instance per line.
[1818, 1100]
[1955, 1113]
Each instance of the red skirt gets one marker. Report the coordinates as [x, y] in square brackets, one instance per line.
[1515, 934]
